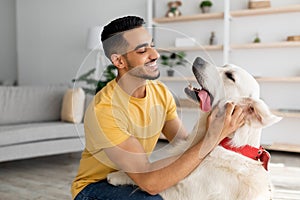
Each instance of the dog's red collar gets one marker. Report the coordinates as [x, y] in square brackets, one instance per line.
[249, 151]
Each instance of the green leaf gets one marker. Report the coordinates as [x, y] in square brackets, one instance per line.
[165, 63]
[89, 91]
[206, 3]
[181, 55]
[91, 81]
[173, 59]
[87, 74]
[164, 57]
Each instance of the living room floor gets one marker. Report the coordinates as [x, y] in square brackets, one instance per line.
[50, 177]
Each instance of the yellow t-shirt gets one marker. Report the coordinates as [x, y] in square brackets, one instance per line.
[112, 117]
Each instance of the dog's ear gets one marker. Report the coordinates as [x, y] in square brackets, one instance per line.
[260, 111]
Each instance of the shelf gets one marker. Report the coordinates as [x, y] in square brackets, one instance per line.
[284, 44]
[235, 13]
[295, 79]
[185, 18]
[288, 114]
[265, 11]
[282, 147]
[194, 48]
[187, 104]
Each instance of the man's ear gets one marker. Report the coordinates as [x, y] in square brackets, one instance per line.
[263, 114]
[117, 60]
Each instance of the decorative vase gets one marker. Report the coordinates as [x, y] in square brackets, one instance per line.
[170, 72]
[212, 39]
[205, 9]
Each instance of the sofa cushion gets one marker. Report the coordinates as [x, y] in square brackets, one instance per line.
[73, 105]
[26, 133]
[25, 104]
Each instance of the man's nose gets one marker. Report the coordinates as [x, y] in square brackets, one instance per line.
[154, 54]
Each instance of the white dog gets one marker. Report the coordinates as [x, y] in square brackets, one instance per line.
[237, 168]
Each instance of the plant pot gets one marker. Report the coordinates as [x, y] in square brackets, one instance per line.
[205, 9]
[170, 72]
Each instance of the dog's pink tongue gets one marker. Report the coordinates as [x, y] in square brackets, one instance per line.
[205, 101]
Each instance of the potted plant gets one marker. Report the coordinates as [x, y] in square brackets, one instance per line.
[96, 85]
[172, 60]
[205, 6]
[256, 39]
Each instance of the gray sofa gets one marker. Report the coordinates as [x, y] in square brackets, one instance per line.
[30, 123]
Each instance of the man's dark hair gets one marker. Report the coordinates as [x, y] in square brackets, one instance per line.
[112, 36]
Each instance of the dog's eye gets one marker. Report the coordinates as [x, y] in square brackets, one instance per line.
[230, 76]
[251, 109]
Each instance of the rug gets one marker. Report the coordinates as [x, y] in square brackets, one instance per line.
[286, 182]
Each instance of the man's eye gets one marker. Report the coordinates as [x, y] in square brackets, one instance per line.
[142, 50]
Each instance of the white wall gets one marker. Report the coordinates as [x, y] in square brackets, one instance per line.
[8, 52]
[52, 35]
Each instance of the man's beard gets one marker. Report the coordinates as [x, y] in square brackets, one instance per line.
[141, 72]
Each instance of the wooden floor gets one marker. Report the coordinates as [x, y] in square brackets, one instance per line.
[50, 177]
[45, 178]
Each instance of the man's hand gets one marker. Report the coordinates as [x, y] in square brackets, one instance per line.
[225, 123]
[234, 118]
[220, 125]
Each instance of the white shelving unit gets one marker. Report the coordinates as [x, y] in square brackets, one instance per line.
[226, 48]
[237, 13]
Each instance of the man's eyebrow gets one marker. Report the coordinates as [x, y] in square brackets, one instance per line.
[142, 45]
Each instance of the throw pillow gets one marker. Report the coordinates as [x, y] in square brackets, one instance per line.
[73, 105]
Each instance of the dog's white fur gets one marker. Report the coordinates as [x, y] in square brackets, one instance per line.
[223, 174]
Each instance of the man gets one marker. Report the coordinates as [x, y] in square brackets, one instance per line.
[125, 119]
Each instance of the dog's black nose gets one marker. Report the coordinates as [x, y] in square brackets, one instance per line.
[199, 62]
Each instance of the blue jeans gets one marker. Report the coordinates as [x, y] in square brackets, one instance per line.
[102, 190]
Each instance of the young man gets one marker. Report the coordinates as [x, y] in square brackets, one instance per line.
[124, 121]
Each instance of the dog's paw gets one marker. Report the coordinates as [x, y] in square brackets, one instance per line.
[119, 178]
